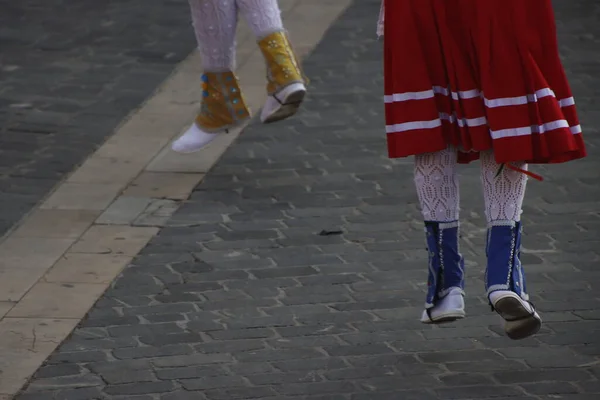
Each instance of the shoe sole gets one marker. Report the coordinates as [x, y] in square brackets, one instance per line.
[290, 107]
[526, 325]
[444, 319]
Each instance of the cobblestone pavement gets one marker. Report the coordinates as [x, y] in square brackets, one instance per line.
[251, 293]
[70, 71]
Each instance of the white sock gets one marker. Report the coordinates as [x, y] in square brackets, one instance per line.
[503, 194]
[437, 185]
[193, 140]
[215, 24]
[263, 16]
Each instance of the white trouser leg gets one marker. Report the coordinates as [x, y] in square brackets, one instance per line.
[263, 16]
[215, 24]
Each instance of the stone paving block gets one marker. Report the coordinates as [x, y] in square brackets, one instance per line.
[168, 105]
[132, 148]
[106, 170]
[86, 268]
[20, 267]
[117, 240]
[5, 307]
[147, 125]
[124, 210]
[157, 213]
[14, 283]
[57, 224]
[58, 300]
[82, 196]
[163, 185]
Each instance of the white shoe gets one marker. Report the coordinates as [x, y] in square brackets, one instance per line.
[192, 140]
[448, 309]
[283, 104]
[521, 318]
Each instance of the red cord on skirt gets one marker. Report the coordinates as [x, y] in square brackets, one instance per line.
[521, 170]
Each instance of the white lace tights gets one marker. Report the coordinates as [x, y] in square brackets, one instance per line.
[438, 189]
[215, 24]
[437, 185]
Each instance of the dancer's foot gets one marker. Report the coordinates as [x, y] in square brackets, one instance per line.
[448, 309]
[445, 282]
[505, 280]
[283, 104]
[286, 84]
[223, 107]
[193, 140]
[522, 320]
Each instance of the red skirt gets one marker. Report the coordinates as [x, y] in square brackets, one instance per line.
[478, 75]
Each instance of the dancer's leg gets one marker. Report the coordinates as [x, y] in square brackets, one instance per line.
[215, 23]
[263, 16]
[505, 279]
[436, 180]
[438, 191]
[503, 193]
[285, 86]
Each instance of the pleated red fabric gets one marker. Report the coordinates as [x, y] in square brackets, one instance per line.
[478, 74]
